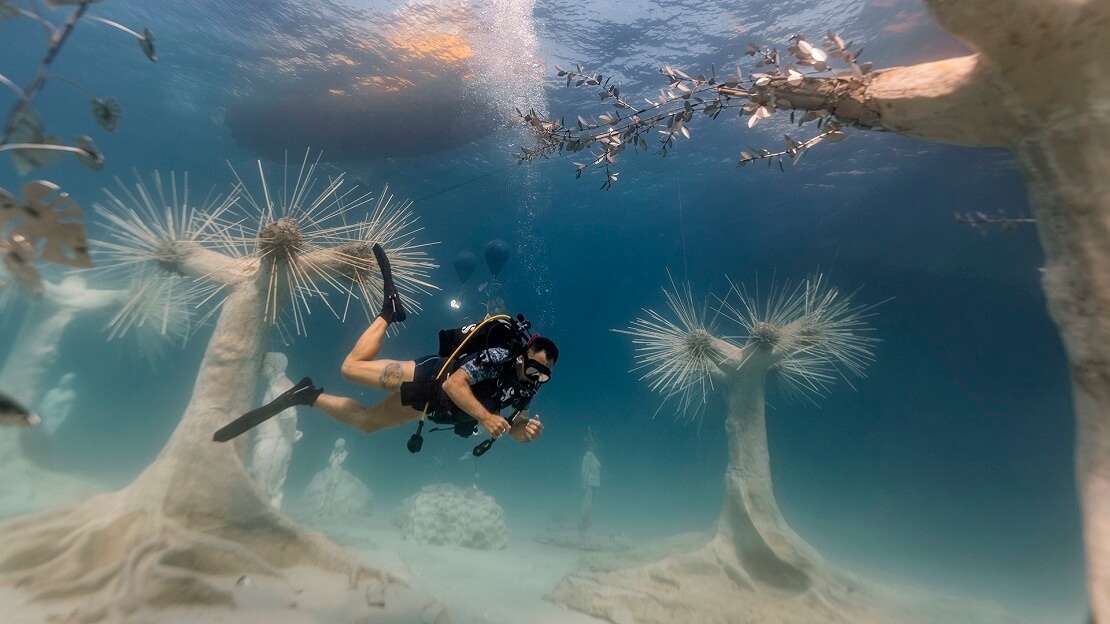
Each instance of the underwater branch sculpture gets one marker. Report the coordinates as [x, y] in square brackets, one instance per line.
[1037, 85]
[194, 518]
[23, 135]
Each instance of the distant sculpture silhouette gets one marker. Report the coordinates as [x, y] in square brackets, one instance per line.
[57, 404]
[591, 480]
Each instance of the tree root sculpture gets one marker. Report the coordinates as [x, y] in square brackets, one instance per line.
[121, 557]
[711, 585]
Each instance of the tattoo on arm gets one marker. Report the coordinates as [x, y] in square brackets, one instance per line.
[391, 376]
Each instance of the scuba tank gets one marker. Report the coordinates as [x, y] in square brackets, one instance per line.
[496, 332]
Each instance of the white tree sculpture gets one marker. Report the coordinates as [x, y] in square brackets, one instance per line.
[193, 522]
[755, 567]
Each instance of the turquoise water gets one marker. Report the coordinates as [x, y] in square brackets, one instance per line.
[949, 467]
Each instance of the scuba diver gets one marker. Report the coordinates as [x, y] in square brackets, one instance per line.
[480, 370]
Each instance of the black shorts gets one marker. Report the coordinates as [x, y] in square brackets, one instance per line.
[424, 392]
[427, 368]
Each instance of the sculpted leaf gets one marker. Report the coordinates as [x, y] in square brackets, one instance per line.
[47, 216]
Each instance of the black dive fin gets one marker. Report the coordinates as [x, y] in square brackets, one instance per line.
[247, 421]
[392, 309]
[301, 394]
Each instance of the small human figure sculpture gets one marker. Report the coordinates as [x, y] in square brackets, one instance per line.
[336, 493]
[335, 473]
[273, 442]
[338, 456]
[584, 538]
[57, 403]
[591, 480]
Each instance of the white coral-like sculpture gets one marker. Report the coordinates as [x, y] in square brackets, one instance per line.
[446, 514]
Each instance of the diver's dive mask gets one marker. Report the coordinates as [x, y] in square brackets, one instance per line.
[536, 372]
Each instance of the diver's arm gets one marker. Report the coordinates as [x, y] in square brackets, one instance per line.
[457, 387]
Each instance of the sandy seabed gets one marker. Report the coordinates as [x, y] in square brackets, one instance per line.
[508, 586]
[476, 586]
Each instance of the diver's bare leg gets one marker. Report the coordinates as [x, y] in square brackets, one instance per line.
[361, 367]
[370, 342]
[388, 413]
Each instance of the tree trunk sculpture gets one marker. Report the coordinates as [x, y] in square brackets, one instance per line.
[1037, 85]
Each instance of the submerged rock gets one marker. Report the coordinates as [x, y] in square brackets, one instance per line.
[446, 514]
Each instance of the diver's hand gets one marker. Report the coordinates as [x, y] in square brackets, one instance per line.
[495, 425]
[526, 430]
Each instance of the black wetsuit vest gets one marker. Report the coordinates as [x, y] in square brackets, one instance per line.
[504, 389]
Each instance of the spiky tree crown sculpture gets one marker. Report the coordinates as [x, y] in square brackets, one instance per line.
[194, 516]
[297, 242]
[808, 334]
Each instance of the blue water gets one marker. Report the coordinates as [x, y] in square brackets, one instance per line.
[949, 466]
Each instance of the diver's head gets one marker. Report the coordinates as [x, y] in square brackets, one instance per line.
[539, 358]
[67, 380]
[340, 443]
